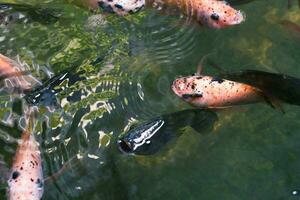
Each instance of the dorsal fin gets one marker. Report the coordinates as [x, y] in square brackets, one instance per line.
[200, 66]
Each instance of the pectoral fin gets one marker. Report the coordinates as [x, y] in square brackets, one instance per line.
[66, 166]
[274, 103]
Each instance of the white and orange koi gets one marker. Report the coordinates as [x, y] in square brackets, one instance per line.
[210, 92]
[26, 178]
[211, 13]
[13, 75]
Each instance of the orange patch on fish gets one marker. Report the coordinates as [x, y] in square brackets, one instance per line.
[7, 66]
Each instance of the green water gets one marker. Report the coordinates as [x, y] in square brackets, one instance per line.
[252, 153]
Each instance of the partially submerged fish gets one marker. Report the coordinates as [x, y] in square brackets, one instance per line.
[244, 87]
[45, 94]
[211, 13]
[26, 180]
[15, 78]
[120, 7]
[150, 137]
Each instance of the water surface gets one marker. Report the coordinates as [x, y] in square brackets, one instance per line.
[128, 65]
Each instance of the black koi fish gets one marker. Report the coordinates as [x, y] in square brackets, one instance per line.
[150, 137]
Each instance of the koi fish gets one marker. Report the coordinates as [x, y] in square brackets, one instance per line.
[150, 137]
[7, 67]
[120, 7]
[15, 78]
[239, 88]
[26, 177]
[211, 13]
[45, 94]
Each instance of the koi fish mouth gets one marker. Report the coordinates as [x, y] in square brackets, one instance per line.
[124, 146]
[179, 87]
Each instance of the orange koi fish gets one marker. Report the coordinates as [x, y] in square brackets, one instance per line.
[244, 87]
[14, 76]
[210, 92]
[211, 13]
[7, 67]
[26, 178]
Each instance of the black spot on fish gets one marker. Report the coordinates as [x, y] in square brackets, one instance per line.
[106, 8]
[15, 174]
[217, 79]
[139, 8]
[119, 6]
[199, 77]
[215, 17]
[31, 179]
[197, 95]
[39, 183]
[187, 96]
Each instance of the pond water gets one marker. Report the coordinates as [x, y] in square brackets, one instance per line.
[126, 66]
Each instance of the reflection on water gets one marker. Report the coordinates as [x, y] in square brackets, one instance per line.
[125, 68]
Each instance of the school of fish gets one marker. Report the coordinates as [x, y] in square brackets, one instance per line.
[211, 13]
[26, 179]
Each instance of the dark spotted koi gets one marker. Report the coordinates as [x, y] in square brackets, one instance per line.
[249, 86]
[26, 178]
[152, 136]
[207, 91]
[212, 13]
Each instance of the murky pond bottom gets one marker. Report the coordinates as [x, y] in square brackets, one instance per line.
[125, 68]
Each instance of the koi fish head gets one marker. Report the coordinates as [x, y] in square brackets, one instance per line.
[191, 89]
[145, 139]
[220, 15]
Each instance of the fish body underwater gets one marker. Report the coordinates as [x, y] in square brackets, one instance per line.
[250, 86]
[26, 178]
[14, 76]
[120, 7]
[45, 94]
[150, 137]
[210, 92]
[211, 13]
